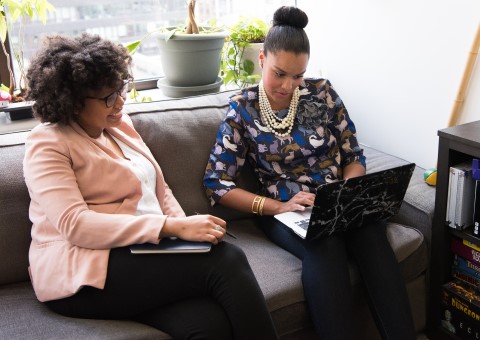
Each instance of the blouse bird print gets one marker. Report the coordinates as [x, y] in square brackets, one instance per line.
[322, 142]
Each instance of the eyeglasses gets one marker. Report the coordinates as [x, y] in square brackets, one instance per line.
[112, 97]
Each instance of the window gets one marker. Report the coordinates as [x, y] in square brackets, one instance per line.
[127, 21]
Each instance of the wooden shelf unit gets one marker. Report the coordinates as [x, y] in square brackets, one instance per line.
[456, 144]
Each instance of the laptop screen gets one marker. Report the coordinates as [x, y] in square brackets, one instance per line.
[348, 204]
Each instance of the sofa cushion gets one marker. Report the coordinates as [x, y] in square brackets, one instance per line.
[192, 124]
[24, 317]
[410, 249]
[14, 223]
[419, 202]
[279, 273]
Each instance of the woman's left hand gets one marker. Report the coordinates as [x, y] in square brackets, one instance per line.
[201, 228]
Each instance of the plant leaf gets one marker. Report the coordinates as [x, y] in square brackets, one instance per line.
[133, 46]
[248, 66]
[170, 34]
[3, 27]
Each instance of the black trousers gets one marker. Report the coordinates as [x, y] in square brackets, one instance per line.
[326, 280]
[189, 296]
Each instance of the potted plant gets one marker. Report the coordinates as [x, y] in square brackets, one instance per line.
[240, 54]
[190, 56]
[10, 12]
[191, 59]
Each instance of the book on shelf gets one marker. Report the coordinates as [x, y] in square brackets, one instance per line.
[461, 310]
[466, 271]
[460, 199]
[463, 249]
[471, 245]
[466, 266]
[461, 298]
[476, 202]
[451, 197]
[456, 323]
[467, 279]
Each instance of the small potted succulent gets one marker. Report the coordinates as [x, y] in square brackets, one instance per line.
[240, 54]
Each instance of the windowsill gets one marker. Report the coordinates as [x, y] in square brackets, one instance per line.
[8, 126]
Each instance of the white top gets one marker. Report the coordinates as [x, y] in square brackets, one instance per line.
[145, 172]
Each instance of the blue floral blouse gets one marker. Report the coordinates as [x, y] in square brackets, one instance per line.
[322, 142]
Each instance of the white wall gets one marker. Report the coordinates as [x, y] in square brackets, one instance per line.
[471, 106]
[397, 65]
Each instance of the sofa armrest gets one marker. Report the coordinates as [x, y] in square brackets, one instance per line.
[419, 202]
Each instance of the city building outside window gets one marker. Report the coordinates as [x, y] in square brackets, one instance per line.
[128, 21]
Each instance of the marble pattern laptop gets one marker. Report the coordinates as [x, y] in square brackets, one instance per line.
[343, 205]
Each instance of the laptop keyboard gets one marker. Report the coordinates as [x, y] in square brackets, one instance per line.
[303, 223]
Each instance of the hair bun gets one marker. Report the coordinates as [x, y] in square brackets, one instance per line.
[290, 16]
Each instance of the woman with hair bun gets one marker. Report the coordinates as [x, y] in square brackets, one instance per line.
[297, 135]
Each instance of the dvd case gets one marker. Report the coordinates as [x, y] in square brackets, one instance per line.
[452, 197]
[476, 204]
[461, 196]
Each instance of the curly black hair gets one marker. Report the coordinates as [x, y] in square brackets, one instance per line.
[68, 69]
[287, 32]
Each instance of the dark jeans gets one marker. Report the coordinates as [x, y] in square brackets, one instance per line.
[190, 296]
[326, 280]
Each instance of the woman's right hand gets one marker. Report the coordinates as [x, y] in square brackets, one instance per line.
[298, 202]
[201, 228]
[242, 200]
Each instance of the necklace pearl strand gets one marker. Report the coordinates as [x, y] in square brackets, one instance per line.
[273, 122]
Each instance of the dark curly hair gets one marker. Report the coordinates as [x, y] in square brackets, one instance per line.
[287, 32]
[68, 69]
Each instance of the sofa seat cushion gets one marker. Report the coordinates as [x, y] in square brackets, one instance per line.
[24, 317]
[14, 223]
[279, 273]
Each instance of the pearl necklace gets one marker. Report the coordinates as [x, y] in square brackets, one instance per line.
[273, 122]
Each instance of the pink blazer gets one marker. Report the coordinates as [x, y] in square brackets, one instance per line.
[83, 201]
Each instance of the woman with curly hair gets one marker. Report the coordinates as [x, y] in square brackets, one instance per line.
[297, 135]
[96, 189]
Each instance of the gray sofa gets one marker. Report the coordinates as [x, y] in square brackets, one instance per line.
[180, 133]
